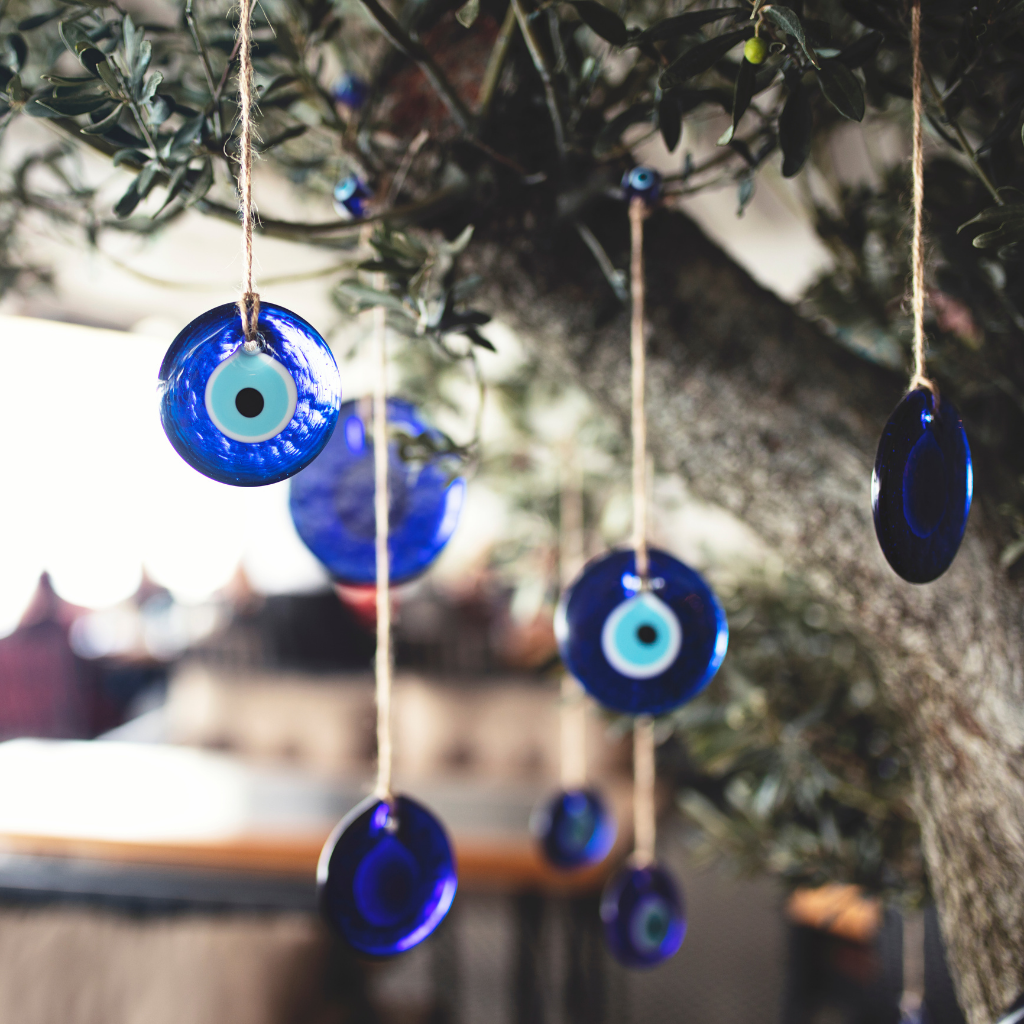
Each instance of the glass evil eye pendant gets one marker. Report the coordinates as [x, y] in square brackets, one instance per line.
[386, 876]
[921, 487]
[635, 650]
[574, 828]
[644, 916]
[332, 502]
[350, 197]
[244, 419]
[642, 183]
[350, 91]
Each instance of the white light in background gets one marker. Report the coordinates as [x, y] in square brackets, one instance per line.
[94, 491]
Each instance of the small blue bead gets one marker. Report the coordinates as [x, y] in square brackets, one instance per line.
[644, 916]
[332, 502]
[642, 183]
[248, 419]
[574, 828]
[921, 487]
[386, 876]
[350, 90]
[641, 652]
[350, 197]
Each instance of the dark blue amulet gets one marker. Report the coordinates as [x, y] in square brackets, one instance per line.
[386, 876]
[644, 916]
[574, 828]
[642, 183]
[350, 197]
[921, 487]
[244, 419]
[642, 652]
[332, 502]
[350, 91]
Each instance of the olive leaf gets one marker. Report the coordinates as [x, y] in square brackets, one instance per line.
[702, 57]
[670, 120]
[789, 21]
[607, 24]
[685, 24]
[796, 124]
[743, 94]
[468, 13]
[842, 89]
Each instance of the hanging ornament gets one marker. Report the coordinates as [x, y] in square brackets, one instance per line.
[574, 828]
[922, 483]
[332, 501]
[636, 649]
[642, 183]
[249, 393]
[921, 487]
[249, 417]
[386, 876]
[350, 91]
[351, 197]
[644, 916]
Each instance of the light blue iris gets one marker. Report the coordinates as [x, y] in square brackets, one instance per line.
[637, 622]
[650, 924]
[260, 373]
[641, 637]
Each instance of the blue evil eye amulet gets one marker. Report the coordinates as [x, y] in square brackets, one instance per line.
[249, 418]
[332, 502]
[642, 183]
[921, 487]
[386, 876]
[350, 90]
[644, 916]
[574, 828]
[641, 650]
[351, 197]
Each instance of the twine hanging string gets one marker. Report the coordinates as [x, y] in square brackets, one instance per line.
[919, 378]
[383, 663]
[573, 708]
[638, 361]
[249, 304]
[644, 822]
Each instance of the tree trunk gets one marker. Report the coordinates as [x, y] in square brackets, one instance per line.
[765, 415]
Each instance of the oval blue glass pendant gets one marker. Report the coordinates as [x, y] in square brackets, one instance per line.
[574, 828]
[350, 197]
[350, 91]
[642, 183]
[332, 501]
[921, 487]
[248, 419]
[644, 916]
[386, 876]
[641, 651]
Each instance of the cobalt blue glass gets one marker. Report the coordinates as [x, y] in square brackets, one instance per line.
[386, 876]
[644, 916]
[244, 419]
[642, 183]
[332, 501]
[641, 651]
[921, 487]
[350, 90]
[350, 197]
[574, 828]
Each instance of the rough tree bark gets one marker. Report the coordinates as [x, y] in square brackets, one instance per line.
[763, 414]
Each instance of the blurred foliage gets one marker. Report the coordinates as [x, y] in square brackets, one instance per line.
[792, 758]
[516, 121]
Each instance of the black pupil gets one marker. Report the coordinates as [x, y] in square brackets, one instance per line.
[249, 402]
[646, 634]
